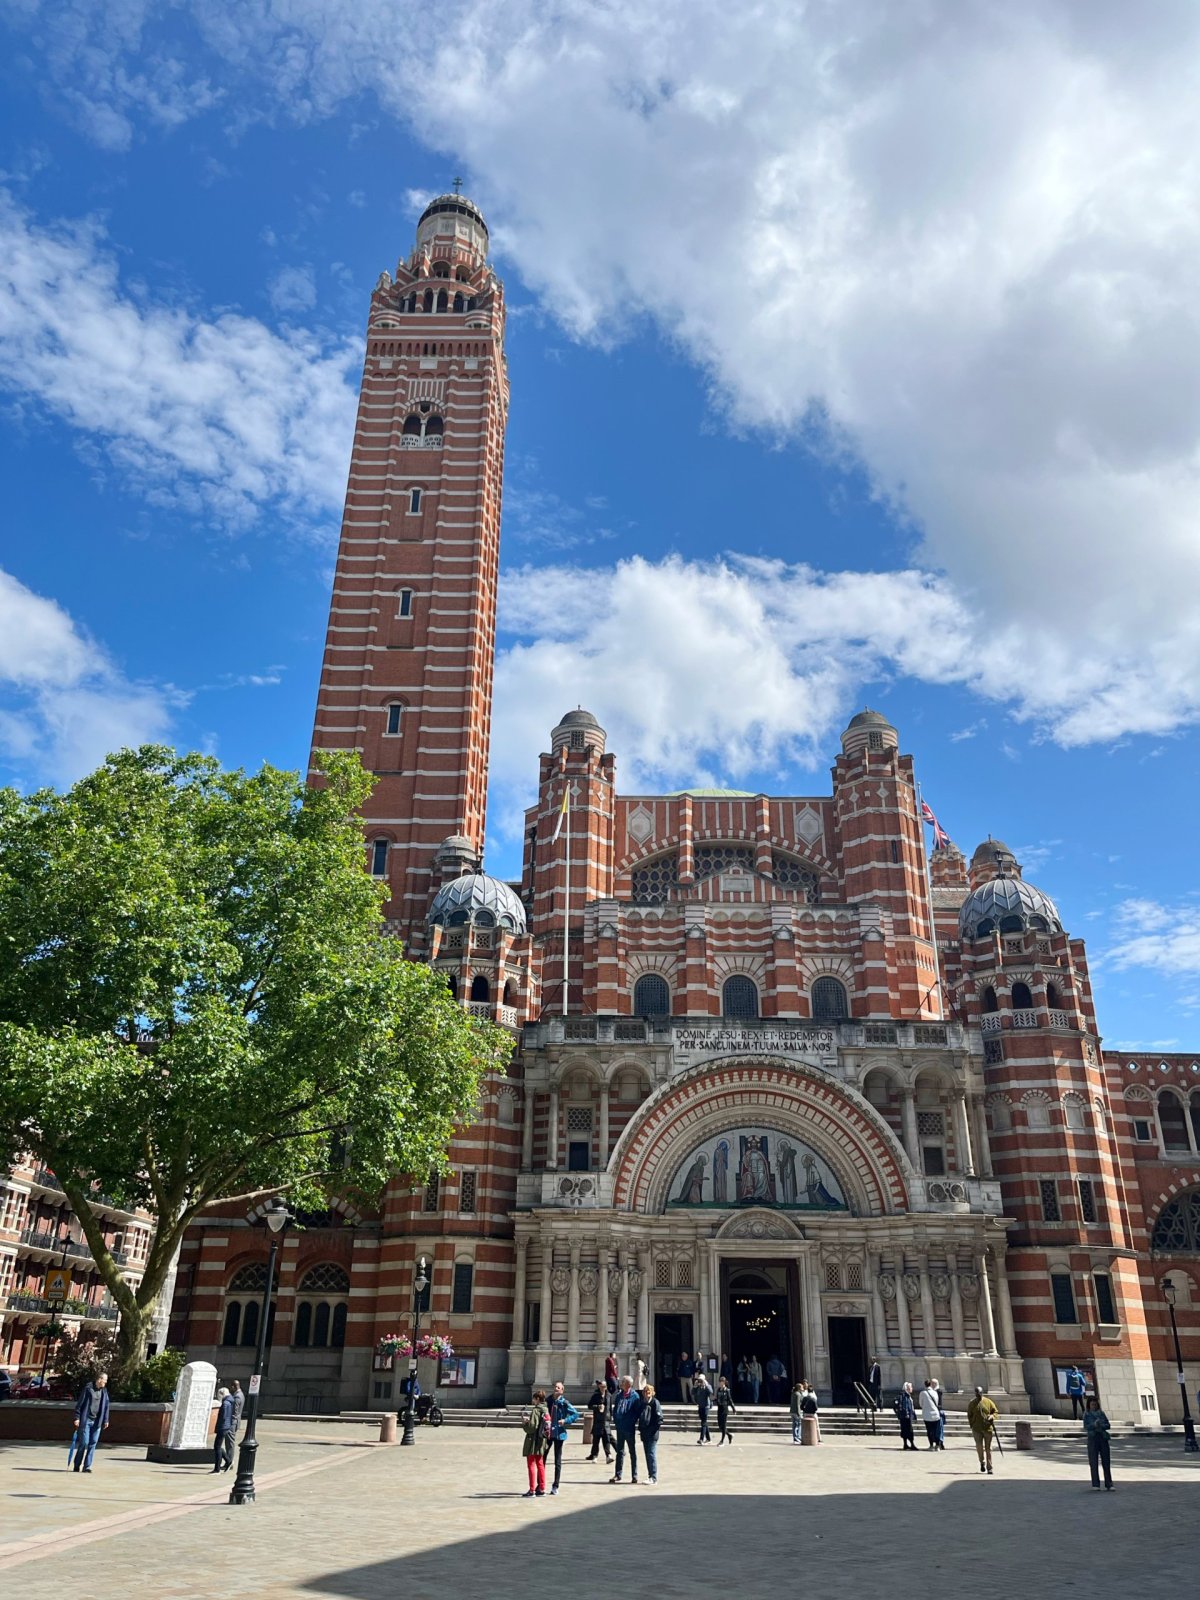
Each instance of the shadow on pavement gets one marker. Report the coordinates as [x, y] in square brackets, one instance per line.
[975, 1537]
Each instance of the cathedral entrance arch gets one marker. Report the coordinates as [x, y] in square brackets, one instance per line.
[761, 1320]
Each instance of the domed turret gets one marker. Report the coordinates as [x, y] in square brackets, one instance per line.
[869, 730]
[576, 731]
[452, 219]
[1007, 905]
[479, 899]
[993, 859]
[455, 856]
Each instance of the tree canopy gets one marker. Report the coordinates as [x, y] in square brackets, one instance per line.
[198, 1000]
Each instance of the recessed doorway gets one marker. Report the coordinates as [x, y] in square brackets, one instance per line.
[847, 1358]
[762, 1341]
[672, 1336]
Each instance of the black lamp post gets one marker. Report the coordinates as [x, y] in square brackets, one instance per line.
[1189, 1427]
[278, 1218]
[420, 1284]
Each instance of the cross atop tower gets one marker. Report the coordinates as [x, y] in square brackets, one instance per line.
[457, 185]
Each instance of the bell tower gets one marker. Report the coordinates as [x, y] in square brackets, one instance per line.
[406, 678]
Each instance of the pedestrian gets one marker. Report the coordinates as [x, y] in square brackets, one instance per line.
[982, 1412]
[702, 1394]
[776, 1378]
[239, 1402]
[931, 1412]
[727, 1370]
[797, 1396]
[941, 1405]
[723, 1399]
[598, 1406]
[755, 1375]
[650, 1426]
[906, 1415]
[223, 1438]
[1076, 1389]
[627, 1408]
[562, 1415]
[743, 1375]
[536, 1423]
[875, 1382]
[809, 1407]
[686, 1368]
[91, 1419]
[610, 1372]
[1099, 1453]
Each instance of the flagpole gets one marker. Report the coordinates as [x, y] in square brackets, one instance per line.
[567, 895]
[937, 971]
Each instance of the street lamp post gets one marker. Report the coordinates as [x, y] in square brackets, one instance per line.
[1189, 1427]
[278, 1218]
[420, 1284]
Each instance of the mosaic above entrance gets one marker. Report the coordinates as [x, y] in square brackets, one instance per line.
[755, 1167]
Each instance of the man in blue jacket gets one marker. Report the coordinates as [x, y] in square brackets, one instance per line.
[562, 1415]
[627, 1411]
[1076, 1387]
[91, 1419]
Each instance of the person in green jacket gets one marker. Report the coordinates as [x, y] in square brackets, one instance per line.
[533, 1443]
[981, 1414]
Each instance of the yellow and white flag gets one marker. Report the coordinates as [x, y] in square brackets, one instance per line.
[562, 815]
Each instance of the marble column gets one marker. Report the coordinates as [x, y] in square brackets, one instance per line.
[547, 1294]
[622, 1340]
[552, 1132]
[878, 1312]
[703, 1334]
[518, 1327]
[958, 1331]
[928, 1322]
[1008, 1332]
[983, 1145]
[962, 1137]
[604, 1151]
[527, 1131]
[908, 1127]
[987, 1322]
[642, 1329]
[902, 1317]
[573, 1299]
[602, 1306]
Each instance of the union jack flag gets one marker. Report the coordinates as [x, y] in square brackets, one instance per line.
[940, 837]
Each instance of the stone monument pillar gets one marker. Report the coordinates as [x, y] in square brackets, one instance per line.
[189, 1437]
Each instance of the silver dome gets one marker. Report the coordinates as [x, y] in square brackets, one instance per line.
[487, 902]
[1007, 905]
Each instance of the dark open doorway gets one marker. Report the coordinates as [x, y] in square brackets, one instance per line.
[847, 1357]
[672, 1336]
[762, 1329]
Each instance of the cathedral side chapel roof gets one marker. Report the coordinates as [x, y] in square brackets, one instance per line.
[478, 898]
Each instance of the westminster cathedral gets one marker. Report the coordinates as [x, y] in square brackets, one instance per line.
[785, 1085]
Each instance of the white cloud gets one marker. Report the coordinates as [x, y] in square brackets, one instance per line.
[293, 289]
[953, 244]
[63, 704]
[219, 414]
[1165, 938]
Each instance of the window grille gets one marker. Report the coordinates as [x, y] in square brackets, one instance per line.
[793, 874]
[1051, 1211]
[464, 1282]
[710, 859]
[683, 1274]
[579, 1119]
[1178, 1225]
[1064, 1297]
[1087, 1200]
[854, 1275]
[325, 1279]
[833, 1274]
[829, 1003]
[651, 996]
[252, 1279]
[432, 1187]
[739, 998]
[467, 1188]
[653, 881]
[930, 1124]
[993, 1051]
[662, 1273]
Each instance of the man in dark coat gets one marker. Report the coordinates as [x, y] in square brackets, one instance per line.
[223, 1438]
[906, 1414]
[91, 1419]
[598, 1406]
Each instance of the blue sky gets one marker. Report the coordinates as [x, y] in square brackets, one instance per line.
[854, 361]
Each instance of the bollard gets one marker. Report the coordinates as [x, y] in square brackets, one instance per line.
[387, 1428]
[587, 1428]
[810, 1430]
[1024, 1435]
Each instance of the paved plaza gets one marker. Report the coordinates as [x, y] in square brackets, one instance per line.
[341, 1516]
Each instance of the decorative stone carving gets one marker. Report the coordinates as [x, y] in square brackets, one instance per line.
[912, 1285]
[758, 1226]
[943, 1190]
[384, 280]
[968, 1285]
[589, 1280]
[808, 825]
[940, 1285]
[641, 824]
[614, 1282]
[675, 1305]
[193, 1407]
[887, 1286]
[635, 1280]
[560, 1280]
[576, 1191]
[846, 1308]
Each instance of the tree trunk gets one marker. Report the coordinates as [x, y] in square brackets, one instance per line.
[132, 1334]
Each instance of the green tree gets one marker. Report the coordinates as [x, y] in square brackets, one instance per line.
[198, 1002]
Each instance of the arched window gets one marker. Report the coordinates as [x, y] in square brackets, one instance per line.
[441, 270]
[428, 301]
[739, 998]
[1011, 925]
[462, 275]
[395, 715]
[442, 300]
[459, 302]
[481, 989]
[411, 428]
[510, 992]
[651, 996]
[1178, 1225]
[242, 1304]
[452, 985]
[990, 1003]
[404, 602]
[379, 855]
[250, 1323]
[318, 1323]
[1022, 999]
[434, 427]
[829, 1002]
[233, 1322]
[1052, 997]
[1172, 1121]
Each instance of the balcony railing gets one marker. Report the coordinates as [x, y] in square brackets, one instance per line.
[1024, 1019]
[1061, 1019]
[990, 1022]
[38, 1305]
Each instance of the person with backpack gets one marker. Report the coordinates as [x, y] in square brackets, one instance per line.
[723, 1399]
[1076, 1388]
[627, 1409]
[650, 1426]
[598, 1406]
[562, 1415]
[702, 1394]
[536, 1425]
[906, 1416]
[931, 1413]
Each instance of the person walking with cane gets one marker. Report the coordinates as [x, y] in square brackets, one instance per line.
[982, 1412]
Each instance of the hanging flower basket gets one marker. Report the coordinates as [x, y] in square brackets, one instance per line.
[434, 1346]
[394, 1344]
[430, 1346]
